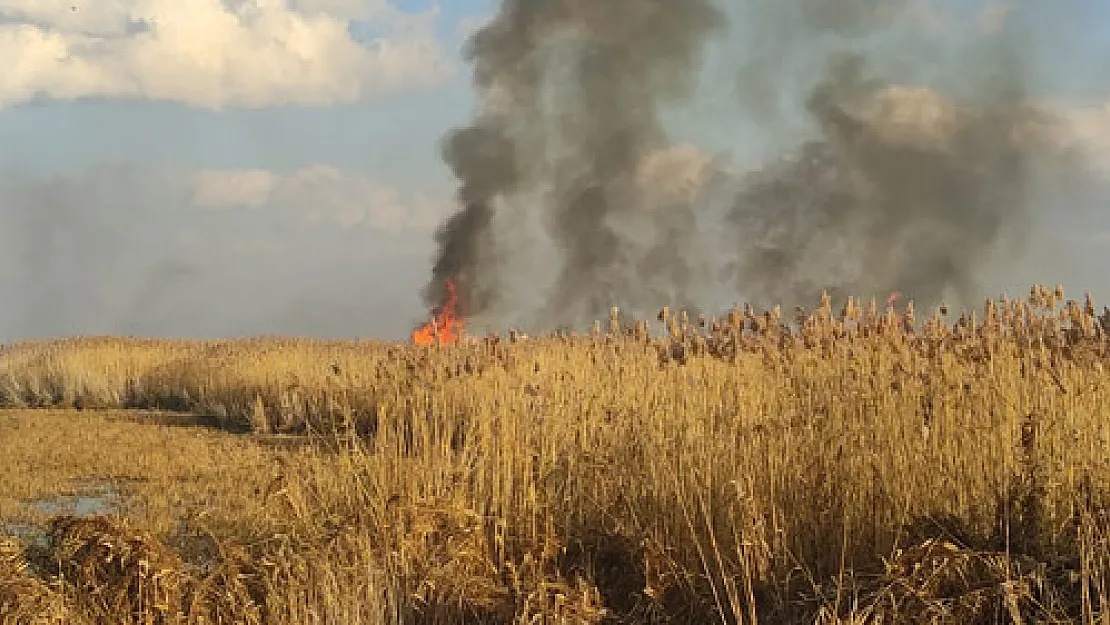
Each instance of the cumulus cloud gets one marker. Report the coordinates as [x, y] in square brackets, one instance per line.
[232, 189]
[322, 193]
[216, 53]
[1090, 131]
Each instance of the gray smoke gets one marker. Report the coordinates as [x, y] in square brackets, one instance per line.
[902, 191]
[573, 92]
[902, 186]
[122, 250]
[913, 159]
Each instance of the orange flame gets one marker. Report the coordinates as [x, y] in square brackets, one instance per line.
[446, 326]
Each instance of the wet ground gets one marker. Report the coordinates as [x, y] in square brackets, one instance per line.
[97, 499]
[108, 496]
[90, 499]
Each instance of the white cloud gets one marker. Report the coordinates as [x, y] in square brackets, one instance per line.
[322, 193]
[1090, 130]
[922, 116]
[232, 189]
[327, 194]
[215, 53]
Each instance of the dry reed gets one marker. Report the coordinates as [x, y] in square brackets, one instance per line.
[851, 465]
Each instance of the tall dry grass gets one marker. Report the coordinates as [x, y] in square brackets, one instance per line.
[851, 466]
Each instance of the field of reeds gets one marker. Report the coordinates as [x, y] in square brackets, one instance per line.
[857, 464]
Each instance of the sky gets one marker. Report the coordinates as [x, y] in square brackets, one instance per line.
[220, 168]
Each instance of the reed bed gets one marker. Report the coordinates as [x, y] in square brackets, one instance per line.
[855, 465]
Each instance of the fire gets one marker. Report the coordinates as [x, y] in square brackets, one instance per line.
[893, 299]
[446, 326]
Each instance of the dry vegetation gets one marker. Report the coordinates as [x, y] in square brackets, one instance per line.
[852, 466]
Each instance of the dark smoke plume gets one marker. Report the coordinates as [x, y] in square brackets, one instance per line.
[573, 91]
[903, 191]
[914, 172]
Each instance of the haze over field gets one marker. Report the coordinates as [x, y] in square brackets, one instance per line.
[218, 168]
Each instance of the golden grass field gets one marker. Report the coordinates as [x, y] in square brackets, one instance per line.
[863, 467]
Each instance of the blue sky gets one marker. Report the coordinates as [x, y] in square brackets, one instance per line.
[275, 171]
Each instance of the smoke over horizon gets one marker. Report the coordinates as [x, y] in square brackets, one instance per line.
[147, 251]
[924, 162]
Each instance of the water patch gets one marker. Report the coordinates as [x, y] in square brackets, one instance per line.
[90, 500]
[19, 531]
[103, 499]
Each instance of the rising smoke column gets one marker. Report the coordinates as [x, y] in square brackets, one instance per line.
[916, 170]
[572, 92]
[923, 166]
[483, 159]
[902, 190]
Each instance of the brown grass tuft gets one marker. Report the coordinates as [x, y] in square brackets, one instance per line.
[24, 598]
[939, 582]
[118, 571]
[235, 590]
